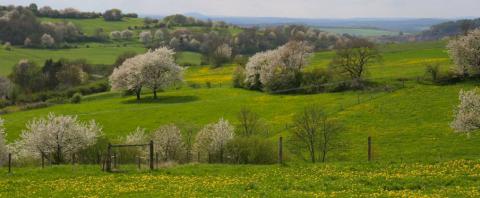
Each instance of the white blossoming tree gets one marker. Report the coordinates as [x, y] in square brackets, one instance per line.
[116, 35]
[3, 146]
[168, 142]
[128, 76]
[210, 142]
[277, 69]
[145, 37]
[465, 53]
[467, 114]
[57, 136]
[154, 69]
[127, 34]
[160, 70]
[47, 40]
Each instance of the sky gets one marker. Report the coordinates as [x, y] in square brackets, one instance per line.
[278, 8]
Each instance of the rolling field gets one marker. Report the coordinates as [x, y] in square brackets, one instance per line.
[415, 152]
[359, 31]
[96, 54]
[420, 128]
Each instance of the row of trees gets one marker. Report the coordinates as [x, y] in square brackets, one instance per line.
[155, 69]
[71, 13]
[21, 27]
[283, 69]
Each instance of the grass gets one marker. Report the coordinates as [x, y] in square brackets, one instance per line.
[88, 26]
[406, 60]
[95, 54]
[359, 31]
[189, 58]
[459, 178]
[415, 119]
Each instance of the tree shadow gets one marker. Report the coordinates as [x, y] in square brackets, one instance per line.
[162, 100]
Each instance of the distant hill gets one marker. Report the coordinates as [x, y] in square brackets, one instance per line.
[393, 24]
[450, 28]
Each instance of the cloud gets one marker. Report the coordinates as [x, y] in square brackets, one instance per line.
[278, 8]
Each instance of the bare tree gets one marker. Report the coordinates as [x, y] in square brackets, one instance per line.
[315, 132]
[353, 57]
[249, 122]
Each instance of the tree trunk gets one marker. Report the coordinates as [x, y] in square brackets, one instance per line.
[138, 92]
[154, 93]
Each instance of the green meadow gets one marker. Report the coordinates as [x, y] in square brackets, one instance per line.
[359, 31]
[407, 124]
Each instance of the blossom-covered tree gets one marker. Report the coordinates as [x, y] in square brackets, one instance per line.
[211, 140]
[128, 76]
[145, 37]
[277, 69]
[160, 70]
[127, 34]
[222, 54]
[116, 35]
[47, 40]
[168, 142]
[58, 136]
[3, 146]
[5, 87]
[136, 137]
[154, 69]
[465, 52]
[467, 114]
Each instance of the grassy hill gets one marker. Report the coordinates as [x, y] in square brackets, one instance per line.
[359, 31]
[409, 124]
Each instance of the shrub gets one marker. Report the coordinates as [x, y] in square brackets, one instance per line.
[467, 113]
[239, 77]
[76, 98]
[432, 70]
[251, 150]
[315, 81]
[7, 46]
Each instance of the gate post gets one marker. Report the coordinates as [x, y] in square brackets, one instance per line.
[109, 158]
[369, 148]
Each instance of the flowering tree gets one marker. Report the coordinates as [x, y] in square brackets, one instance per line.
[160, 70]
[211, 140]
[465, 52]
[127, 34]
[136, 137]
[277, 69]
[116, 35]
[168, 142]
[47, 40]
[128, 76]
[222, 54]
[154, 69]
[3, 146]
[145, 37]
[5, 87]
[59, 136]
[467, 114]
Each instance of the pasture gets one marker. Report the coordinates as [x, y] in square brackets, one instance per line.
[421, 128]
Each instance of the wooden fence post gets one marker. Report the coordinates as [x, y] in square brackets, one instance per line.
[9, 163]
[280, 150]
[369, 148]
[151, 155]
[156, 160]
[138, 162]
[114, 160]
[109, 156]
[43, 160]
